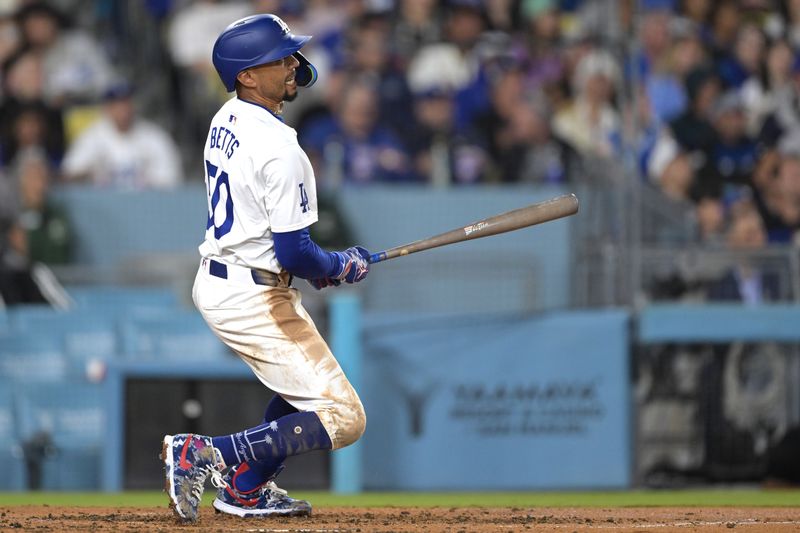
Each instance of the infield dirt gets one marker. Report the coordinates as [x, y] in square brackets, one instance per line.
[412, 519]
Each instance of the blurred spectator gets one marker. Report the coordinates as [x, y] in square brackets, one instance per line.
[441, 154]
[500, 15]
[194, 28]
[639, 131]
[441, 64]
[25, 119]
[710, 214]
[190, 38]
[691, 131]
[332, 23]
[610, 23]
[792, 22]
[31, 125]
[591, 121]
[745, 282]
[9, 197]
[49, 234]
[369, 58]
[746, 59]
[761, 90]
[21, 280]
[677, 177]
[778, 201]
[698, 12]
[533, 153]
[731, 158]
[655, 37]
[725, 21]
[456, 62]
[506, 96]
[9, 32]
[123, 150]
[665, 86]
[781, 129]
[418, 24]
[541, 59]
[74, 66]
[353, 145]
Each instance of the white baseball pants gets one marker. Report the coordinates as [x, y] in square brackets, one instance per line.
[272, 332]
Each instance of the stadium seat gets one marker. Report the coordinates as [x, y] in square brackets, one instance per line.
[71, 419]
[20, 315]
[179, 336]
[122, 299]
[32, 358]
[84, 336]
[89, 333]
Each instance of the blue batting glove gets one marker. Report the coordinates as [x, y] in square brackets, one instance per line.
[354, 264]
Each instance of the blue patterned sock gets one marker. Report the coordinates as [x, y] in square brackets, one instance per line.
[277, 408]
[256, 473]
[292, 434]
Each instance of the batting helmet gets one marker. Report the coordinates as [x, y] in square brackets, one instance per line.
[257, 40]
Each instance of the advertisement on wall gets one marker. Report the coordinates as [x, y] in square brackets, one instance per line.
[457, 403]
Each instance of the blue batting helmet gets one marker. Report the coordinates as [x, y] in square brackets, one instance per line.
[257, 40]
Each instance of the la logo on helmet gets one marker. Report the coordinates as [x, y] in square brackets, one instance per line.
[282, 24]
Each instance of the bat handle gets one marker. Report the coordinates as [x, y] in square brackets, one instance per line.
[377, 257]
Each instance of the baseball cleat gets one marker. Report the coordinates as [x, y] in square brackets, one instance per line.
[188, 461]
[266, 500]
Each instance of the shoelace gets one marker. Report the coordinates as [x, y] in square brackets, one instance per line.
[200, 480]
[272, 487]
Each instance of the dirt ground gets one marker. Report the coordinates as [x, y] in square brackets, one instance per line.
[412, 519]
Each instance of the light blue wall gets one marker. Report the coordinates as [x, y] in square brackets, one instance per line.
[719, 323]
[113, 226]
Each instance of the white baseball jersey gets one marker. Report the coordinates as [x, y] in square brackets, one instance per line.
[142, 157]
[259, 180]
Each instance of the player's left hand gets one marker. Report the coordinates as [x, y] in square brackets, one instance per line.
[355, 264]
[321, 283]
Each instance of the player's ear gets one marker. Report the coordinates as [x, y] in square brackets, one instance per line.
[246, 78]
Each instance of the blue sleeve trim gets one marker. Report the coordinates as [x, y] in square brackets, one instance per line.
[302, 257]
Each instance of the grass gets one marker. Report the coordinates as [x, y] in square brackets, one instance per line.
[660, 498]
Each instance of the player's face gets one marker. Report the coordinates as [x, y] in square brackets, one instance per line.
[276, 81]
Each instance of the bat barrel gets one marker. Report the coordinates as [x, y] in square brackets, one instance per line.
[538, 213]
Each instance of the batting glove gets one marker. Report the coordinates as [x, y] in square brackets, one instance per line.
[321, 283]
[353, 264]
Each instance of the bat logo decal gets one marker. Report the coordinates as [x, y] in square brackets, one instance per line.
[475, 227]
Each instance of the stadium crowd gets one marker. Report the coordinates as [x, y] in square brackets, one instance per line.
[703, 95]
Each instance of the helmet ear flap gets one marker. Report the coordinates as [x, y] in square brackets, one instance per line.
[306, 73]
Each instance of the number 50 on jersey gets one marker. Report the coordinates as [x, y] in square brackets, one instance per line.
[219, 178]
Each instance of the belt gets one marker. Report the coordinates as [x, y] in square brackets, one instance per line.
[246, 275]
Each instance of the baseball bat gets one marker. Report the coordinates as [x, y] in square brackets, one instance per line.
[561, 206]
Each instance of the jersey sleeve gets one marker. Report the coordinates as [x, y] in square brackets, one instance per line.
[164, 165]
[291, 195]
[82, 155]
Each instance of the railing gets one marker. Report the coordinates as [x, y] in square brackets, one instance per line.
[617, 264]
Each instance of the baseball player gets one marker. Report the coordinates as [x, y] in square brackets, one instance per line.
[261, 201]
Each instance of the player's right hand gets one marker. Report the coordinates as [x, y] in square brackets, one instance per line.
[354, 264]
